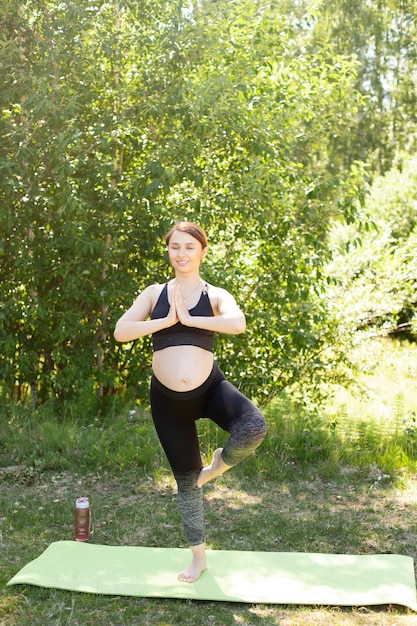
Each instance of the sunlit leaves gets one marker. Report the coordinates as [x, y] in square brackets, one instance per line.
[120, 117]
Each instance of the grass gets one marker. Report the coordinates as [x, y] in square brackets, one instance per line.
[338, 480]
[379, 424]
[302, 513]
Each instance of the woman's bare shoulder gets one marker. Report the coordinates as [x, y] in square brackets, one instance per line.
[149, 295]
[217, 292]
[152, 292]
[221, 299]
[155, 287]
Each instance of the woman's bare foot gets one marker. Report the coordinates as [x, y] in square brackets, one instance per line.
[216, 468]
[197, 565]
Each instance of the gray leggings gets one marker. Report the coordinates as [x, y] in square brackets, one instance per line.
[175, 415]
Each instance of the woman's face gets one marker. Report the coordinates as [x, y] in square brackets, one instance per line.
[185, 252]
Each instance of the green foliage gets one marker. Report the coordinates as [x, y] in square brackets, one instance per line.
[383, 37]
[115, 441]
[374, 433]
[392, 202]
[120, 117]
[377, 288]
[330, 442]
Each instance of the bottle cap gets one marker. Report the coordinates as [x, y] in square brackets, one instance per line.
[82, 503]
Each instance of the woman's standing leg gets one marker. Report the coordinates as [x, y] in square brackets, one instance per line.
[174, 421]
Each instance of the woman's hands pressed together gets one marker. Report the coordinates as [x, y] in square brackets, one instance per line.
[180, 307]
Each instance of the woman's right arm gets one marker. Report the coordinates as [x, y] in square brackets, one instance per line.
[135, 323]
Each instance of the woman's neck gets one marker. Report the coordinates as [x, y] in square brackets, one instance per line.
[189, 284]
[188, 280]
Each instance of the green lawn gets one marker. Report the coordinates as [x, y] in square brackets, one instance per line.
[302, 513]
[351, 489]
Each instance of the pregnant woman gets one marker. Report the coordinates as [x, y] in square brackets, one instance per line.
[182, 316]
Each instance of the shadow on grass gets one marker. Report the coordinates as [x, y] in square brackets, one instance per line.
[299, 514]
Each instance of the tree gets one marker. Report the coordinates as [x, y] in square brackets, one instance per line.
[377, 289]
[220, 115]
[383, 36]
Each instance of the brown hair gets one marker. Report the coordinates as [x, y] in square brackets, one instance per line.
[192, 229]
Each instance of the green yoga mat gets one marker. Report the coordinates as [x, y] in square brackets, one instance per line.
[254, 577]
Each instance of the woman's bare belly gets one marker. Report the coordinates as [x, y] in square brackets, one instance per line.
[182, 368]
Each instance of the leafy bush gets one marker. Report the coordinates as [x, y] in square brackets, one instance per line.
[377, 268]
[220, 116]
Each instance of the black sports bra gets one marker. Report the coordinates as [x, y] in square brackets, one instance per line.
[178, 334]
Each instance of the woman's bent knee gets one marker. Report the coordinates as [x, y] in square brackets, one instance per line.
[247, 434]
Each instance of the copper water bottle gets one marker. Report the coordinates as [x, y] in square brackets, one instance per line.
[82, 519]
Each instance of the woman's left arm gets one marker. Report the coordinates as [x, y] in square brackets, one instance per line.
[228, 318]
